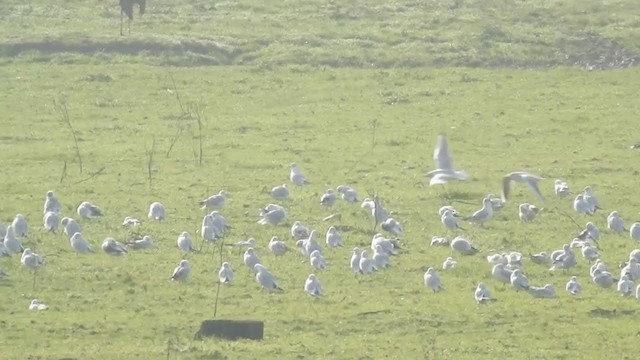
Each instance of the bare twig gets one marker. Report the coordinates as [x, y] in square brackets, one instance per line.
[376, 211]
[215, 306]
[99, 172]
[174, 140]
[374, 126]
[64, 172]
[61, 105]
[199, 110]
[150, 161]
[175, 90]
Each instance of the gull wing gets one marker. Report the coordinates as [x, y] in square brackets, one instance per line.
[533, 185]
[441, 156]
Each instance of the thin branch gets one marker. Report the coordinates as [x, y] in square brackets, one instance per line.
[374, 126]
[61, 105]
[64, 172]
[376, 211]
[99, 172]
[215, 306]
[150, 161]
[175, 90]
[199, 118]
[174, 140]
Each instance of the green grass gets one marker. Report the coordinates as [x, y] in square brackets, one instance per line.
[275, 101]
[477, 33]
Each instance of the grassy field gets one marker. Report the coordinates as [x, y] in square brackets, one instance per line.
[355, 94]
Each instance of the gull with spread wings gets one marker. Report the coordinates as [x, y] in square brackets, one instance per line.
[444, 171]
[521, 177]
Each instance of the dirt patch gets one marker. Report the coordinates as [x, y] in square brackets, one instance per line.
[594, 52]
[225, 55]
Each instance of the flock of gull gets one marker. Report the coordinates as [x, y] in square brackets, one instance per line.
[506, 267]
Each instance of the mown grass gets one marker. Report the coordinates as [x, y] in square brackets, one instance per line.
[343, 91]
[257, 122]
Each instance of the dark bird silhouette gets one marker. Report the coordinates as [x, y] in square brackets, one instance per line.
[126, 7]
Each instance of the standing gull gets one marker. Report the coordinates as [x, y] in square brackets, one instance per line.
[156, 211]
[312, 286]
[449, 221]
[265, 278]
[519, 281]
[317, 260]
[615, 222]
[581, 205]
[625, 286]
[521, 177]
[573, 287]
[349, 194]
[333, 237]
[225, 275]
[20, 225]
[432, 281]
[51, 203]
[184, 242]
[79, 244]
[182, 271]
[70, 226]
[591, 199]
[380, 258]
[214, 202]
[296, 176]
[50, 221]
[500, 273]
[561, 188]
[634, 231]
[482, 294]
[365, 264]
[31, 260]
[11, 242]
[483, 215]
[355, 260]
[250, 259]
